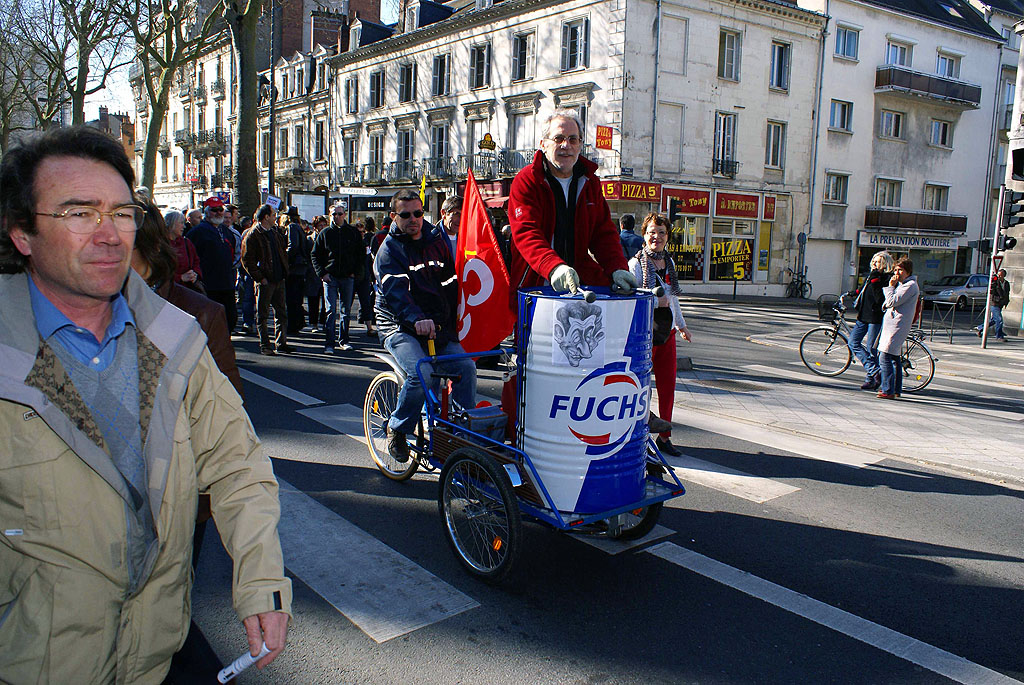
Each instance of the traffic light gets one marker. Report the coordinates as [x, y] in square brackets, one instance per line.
[1013, 208]
[1005, 242]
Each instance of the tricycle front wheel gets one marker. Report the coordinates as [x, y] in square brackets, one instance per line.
[480, 514]
[381, 400]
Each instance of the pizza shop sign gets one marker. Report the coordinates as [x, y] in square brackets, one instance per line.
[631, 190]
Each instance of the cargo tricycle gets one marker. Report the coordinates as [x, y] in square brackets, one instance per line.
[579, 457]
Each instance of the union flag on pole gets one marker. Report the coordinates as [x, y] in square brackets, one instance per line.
[485, 317]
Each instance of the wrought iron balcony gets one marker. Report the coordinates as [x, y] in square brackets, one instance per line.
[201, 182]
[349, 174]
[890, 78]
[894, 218]
[291, 167]
[725, 167]
[185, 91]
[217, 89]
[439, 167]
[511, 161]
[212, 141]
[404, 170]
[184, 138]
[217, 181]
[1007, 119]
[373, 173]
[483, 164]
[200, 94]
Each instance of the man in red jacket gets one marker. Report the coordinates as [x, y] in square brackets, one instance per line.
[562, 231]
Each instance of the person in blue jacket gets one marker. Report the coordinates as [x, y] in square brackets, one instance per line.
[418, 301]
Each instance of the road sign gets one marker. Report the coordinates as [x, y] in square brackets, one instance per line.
[997, 260]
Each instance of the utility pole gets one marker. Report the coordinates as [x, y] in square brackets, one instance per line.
[271, 157]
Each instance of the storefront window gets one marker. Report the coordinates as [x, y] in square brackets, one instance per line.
[732, 250]
[686, 245]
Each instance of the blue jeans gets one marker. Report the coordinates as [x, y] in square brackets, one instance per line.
[863, 339]
[995, 318]
[892, 374]
[407, 351]
[333, 289]
[247, 299]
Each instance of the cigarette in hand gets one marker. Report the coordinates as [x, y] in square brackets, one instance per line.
[241, 663]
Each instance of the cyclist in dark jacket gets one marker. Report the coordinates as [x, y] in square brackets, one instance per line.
[864, 336]
[417, 301]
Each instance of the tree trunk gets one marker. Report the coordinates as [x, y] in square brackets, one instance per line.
[157, 112]
[243, 38]
[81, 85]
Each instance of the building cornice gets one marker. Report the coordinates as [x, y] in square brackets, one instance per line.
[783, 9]
[926, 20]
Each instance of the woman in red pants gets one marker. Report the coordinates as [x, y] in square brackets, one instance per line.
[653, 266]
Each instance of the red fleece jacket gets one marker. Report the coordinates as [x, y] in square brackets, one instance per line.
[531, 208]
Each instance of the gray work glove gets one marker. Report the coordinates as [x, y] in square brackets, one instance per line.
[565, 279]
[623, 282]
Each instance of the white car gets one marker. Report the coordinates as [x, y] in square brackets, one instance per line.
[957, 289]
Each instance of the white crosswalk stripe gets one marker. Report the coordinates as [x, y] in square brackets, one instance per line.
[375, 587]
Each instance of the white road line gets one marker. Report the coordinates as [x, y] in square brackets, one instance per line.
[346, 419]
[385, 594]
[729, 481]
[788, 442]
[903, 646]
[275, 387]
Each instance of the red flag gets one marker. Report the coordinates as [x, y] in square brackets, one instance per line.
[485, 317]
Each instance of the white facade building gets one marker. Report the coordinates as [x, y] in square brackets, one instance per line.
[715, 132]
[905, 139]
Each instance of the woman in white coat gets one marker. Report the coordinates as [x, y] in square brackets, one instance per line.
[898, 312]
[653, 266]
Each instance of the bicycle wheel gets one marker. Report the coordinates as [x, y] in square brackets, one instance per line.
[806, 289]
[825, 351]
[381, 400]
[791, 290]
[480, 514]
[918, 366]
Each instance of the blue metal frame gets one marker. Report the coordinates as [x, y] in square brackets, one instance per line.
[664, 490]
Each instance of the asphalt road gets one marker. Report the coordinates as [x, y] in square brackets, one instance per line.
[890, 572]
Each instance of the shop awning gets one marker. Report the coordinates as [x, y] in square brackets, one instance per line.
[496, 202]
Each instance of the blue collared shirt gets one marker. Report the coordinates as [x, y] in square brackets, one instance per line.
[80, 342]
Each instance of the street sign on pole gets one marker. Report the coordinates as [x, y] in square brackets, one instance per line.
[997, 261]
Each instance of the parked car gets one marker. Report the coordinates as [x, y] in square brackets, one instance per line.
[959, 289]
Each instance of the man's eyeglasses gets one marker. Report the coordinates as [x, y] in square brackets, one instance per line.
[215, 210]
[85, 220]
[572, 140]
[405, 215]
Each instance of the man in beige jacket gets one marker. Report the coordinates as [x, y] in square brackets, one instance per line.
[113, 417]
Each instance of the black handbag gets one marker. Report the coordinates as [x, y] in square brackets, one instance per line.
[663, 325]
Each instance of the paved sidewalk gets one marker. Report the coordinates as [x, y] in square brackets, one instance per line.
[929, 429]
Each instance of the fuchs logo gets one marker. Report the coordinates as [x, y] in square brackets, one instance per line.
[604, 408]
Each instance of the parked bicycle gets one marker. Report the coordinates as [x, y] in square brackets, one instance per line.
[798, 285]
[825, 349]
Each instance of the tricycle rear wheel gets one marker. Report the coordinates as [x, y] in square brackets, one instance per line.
[640, 522]
[480, 514]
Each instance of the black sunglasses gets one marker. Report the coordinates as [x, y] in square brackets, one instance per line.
[417, 213]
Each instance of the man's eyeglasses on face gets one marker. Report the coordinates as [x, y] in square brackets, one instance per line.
[405, 215]
[216, 210]
[85, 220]
[572, 140]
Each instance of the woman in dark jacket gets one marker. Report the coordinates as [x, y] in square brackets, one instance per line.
[864, 337]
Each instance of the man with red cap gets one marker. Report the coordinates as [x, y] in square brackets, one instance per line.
[216, 257]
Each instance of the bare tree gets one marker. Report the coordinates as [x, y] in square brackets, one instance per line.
[169, 34]
[74, 47]
[16, 113]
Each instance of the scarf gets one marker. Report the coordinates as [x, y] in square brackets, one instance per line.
[645, 257]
